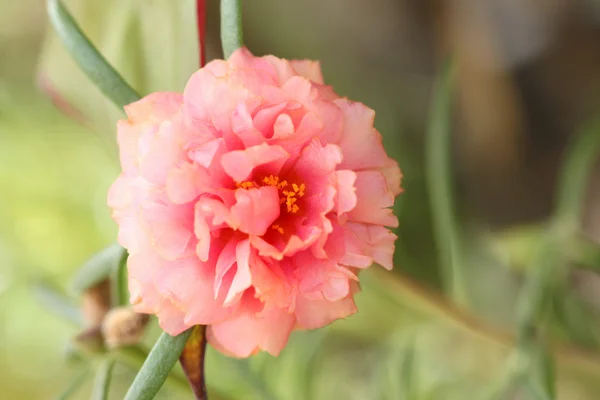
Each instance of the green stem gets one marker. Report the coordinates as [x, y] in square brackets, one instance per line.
[163, 356]
[74, 385]
[103, 378]
[89, 59]
[439, 181]
[575, 174]
[97, 268]
[120, 290]
[232, 37]
[56, 302]
[134, 357]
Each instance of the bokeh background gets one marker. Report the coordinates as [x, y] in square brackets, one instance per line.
[526, 84]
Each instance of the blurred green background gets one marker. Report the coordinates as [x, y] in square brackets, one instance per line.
[526, 85]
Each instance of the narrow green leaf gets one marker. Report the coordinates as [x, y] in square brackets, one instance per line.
[548, 264]
[158, 365]
[509, 380]
[89, 59]
[548, 268]
[585, 253]
[575, 317]
[397, 378]
[232, 37]
[133, 357]
[103, 378]
[97, 268]
[407, 369]
[542, 378]
[58, 303]
[192, 361]
[575, 173]
[439, 181]
[120, 290]
[74, 385]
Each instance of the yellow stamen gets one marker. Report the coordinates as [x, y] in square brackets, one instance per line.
[245, 185]
[277, 228]
[289, 196]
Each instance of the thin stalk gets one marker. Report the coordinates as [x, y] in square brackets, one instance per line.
[201, 23]
[232, 37]
[103, 378]
[439, 181]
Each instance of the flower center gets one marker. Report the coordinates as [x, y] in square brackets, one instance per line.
[288, 193]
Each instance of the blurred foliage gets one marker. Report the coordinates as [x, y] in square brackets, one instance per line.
[406, 342]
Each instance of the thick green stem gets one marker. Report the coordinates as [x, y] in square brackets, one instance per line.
[232, 37]
[158, 365]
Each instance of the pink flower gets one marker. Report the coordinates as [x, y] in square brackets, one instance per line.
[250, 202]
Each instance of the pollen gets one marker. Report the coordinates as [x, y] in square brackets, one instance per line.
[277, 228]
[245, 185]
[288, 193]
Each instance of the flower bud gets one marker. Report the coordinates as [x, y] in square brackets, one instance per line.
[122, 326]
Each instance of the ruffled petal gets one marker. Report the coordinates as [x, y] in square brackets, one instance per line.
[144, 116]
[374, 200]
[240, 164]
[313, 314]
[366, 243]
[360, 142]
[253, 329]
[255, 210]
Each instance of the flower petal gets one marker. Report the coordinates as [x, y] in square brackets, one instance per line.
[240, 164]
[374, 200]
[267, 329]
[255, 210]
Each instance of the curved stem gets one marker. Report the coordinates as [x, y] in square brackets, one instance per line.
[89, 59]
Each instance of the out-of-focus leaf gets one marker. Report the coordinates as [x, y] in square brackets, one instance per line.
[74, 385]
[585, 253]
[102, 380]
[407, 367]
[397, 378]
[453, 341]
[137, 38]
[91, 62]
[542, 379]
[192, 361]
[439, 181]
[575, 319]
[97, 268]
[58, 303]
[574, 175]
[158, 365]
